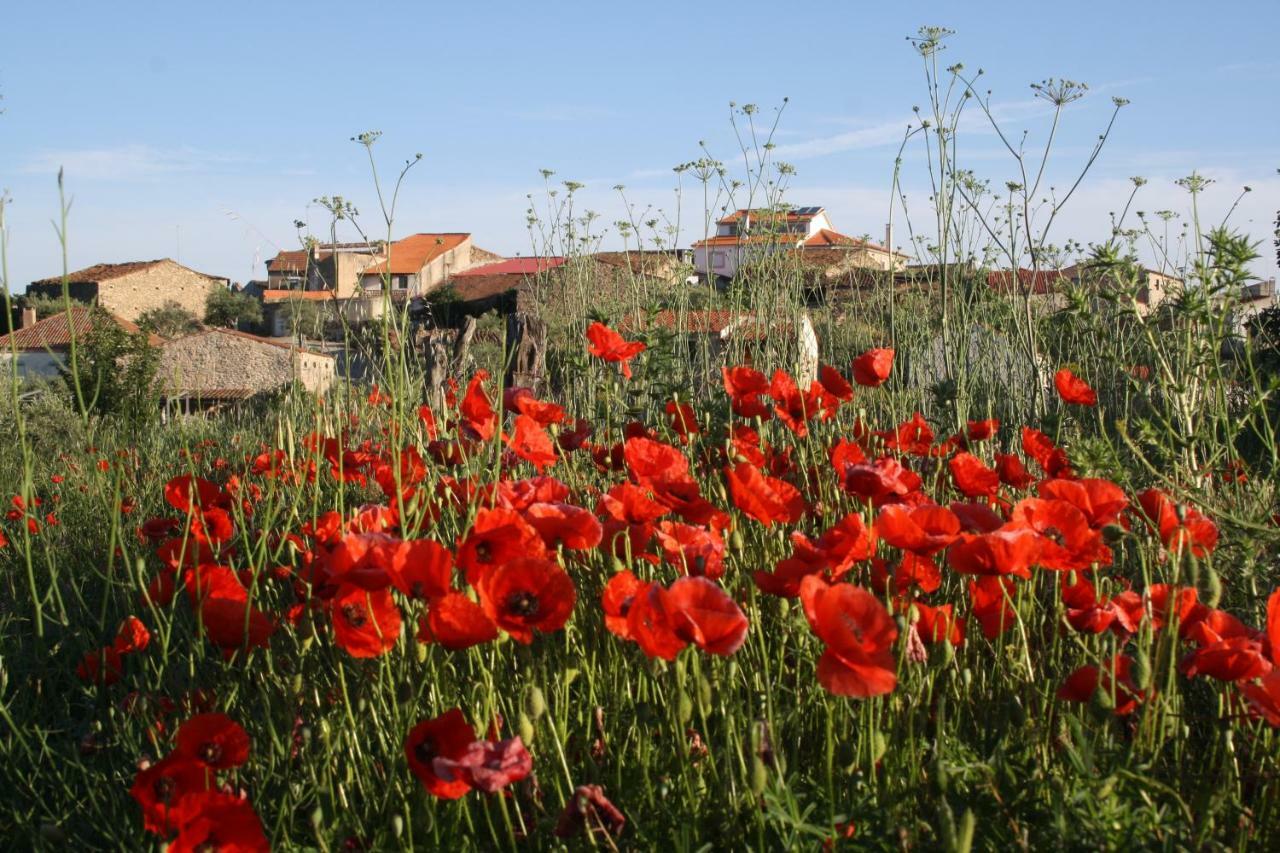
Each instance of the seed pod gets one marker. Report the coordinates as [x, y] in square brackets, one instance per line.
[759, 775]
[684, 708]
[535, 702]
[1215, 589]
[526, 728]
[1141, 671]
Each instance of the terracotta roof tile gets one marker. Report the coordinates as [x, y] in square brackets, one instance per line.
[513, 266]
[105, 272]
[54, 333]
[410, 255]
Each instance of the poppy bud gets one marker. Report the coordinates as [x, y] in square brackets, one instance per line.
[536, 702]
[616, 565]
[759, 776]
[397, 825]
[948, 654]
[735, 539]
[325, 731]
[684, 708]
[967, 677]
[1141, 671]
[316, 818]
[421, 650]
[879, 745]
[1112, 533]
[297, 682]
[940, 776]
[1215, 589]
[306, 734]
[526, 728]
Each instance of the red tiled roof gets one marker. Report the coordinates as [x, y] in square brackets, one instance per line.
[514, 266]
[295, 261]
[826, 238]
[54, 333]
[793, 239]
[1045, 281]
[105, 272]
[410, 255]
[286, 295]
[768, 214]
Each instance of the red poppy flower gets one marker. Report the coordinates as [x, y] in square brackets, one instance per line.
[1101, 501]
[214, 740]
[1191, 531]
[684, 421]
[497, 536]
[655, 465]
[487, 765]
[588, 807]
[923, 530]
[610, 346]
[526, 594]
[523, 402]
[1051, 458]
[366, 623]
[880, 482]
[700, 612]
[976, 517]
[478, 418]
[834, 383]
[847, 542]
[913, 436]
[1090, 615]
[531, 442]
[618, 596]
[916, 571]
[972, 478]
[648, 625]
[132, 636]
[1011, 550]
[1012, 472]
[873, 367]
[1073, 389]
[1263, 697]
[213, 820]
[628, 514]
[193, 494]
[446, 736]
[1170, 603]
[693, 550]
[101, 666]
[1273, 626]
[982, 430]
[161, 788]
[792, 407]
[990, 599]
[456, 622]
[859, 634]
[1115, 679]
[766, 499]
[229, 620]
[421, 568]
[745, 385]
[1229, 659]
[562, 524]
[938, 624]
[845, 453]
[1069, 542]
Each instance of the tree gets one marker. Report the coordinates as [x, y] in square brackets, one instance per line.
[170, 320]
[115, 372]
[229, 309]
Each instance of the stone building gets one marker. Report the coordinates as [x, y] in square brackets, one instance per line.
[131, 289]
[218, 365]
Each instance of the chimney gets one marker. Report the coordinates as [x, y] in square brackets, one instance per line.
[28, 317]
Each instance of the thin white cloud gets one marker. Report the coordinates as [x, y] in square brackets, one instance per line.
[125, 163]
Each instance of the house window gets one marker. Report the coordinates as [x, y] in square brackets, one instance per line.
[717, 260]
[402, 281]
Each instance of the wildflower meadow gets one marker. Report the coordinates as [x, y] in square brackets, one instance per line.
[995, 572]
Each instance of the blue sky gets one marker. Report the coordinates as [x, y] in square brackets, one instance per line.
[202, 131]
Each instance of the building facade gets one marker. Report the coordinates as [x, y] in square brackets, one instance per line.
[129, 290]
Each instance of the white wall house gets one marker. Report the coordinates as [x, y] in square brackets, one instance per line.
[748, 235]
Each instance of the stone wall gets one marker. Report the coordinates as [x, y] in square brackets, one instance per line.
[218, 360]
[130, 296]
